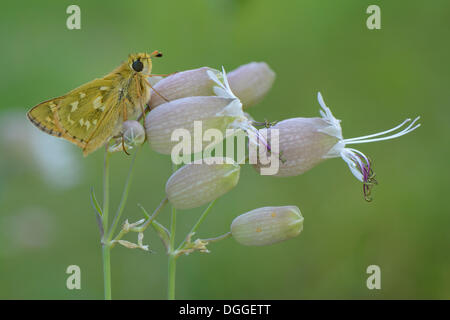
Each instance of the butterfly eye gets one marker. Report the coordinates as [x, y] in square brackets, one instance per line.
[137, 66]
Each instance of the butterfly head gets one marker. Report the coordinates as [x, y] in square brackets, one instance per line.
[142, 62]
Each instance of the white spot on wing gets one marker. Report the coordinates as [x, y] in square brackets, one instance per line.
[74, 106]
[97, 102]
[70, 120]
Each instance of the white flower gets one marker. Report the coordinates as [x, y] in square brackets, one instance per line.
[235, 109]
[359, 164]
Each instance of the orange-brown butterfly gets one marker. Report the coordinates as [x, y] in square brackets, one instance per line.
[91, 114]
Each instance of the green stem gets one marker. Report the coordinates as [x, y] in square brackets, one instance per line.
[105, 247]
[198, 223]
[142, 228]
[105, 190]
[106, 251]
[172, 258]
[171, 283]
[152, 217]
[215, 239]
[123, 200]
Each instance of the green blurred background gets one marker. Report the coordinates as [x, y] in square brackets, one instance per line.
[371, 79]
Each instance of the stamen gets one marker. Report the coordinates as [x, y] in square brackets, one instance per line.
[408, 129]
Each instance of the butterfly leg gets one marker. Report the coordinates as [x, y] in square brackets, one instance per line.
[125, 118]
[141, 104]
[162, 97]
[162, 75]
[123, 146]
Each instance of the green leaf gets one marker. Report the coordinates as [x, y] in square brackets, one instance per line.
[163, 233]
[98, 212]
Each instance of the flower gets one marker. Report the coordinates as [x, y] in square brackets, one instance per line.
[223, 111]
[305, 142]
[250, 82]
[196, 184]
[181, 85]
[267, 225]
[164, 122]
[358, 163]
[133, 135]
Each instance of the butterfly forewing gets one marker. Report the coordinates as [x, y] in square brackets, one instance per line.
[89, 115]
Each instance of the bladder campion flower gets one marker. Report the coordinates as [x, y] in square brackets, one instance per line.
[196, 184]
[305, 142]
[250, 82]
[267, 225]
[223, 111]
[133, 135]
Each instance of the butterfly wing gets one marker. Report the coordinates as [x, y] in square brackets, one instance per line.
[42, 116]
[89, 115]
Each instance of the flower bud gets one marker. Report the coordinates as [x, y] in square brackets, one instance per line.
[183, 84]
[268, 225]
[162, 122]
[250, 83]
[302, 144]
[196, 184]
[133, 133]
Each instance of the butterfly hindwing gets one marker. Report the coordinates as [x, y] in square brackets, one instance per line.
[42, 116]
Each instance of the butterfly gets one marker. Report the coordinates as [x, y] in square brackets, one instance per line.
[93, 113]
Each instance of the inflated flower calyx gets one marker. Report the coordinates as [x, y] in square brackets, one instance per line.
[267, 225]
[194, 185]
[250, 82]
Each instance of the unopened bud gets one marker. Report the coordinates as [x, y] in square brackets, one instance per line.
[196, 184]
[250, 83]
[267, 225]
[176, 120]
[182, 84]
[133, 133]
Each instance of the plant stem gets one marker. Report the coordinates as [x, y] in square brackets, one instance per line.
[198, 223]
[105, 190]
[106, 254]
[142, 228]
[123, 200]
[153, 216]
[172, 271]
[172, 258]
[105, 247]
[215, 239]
